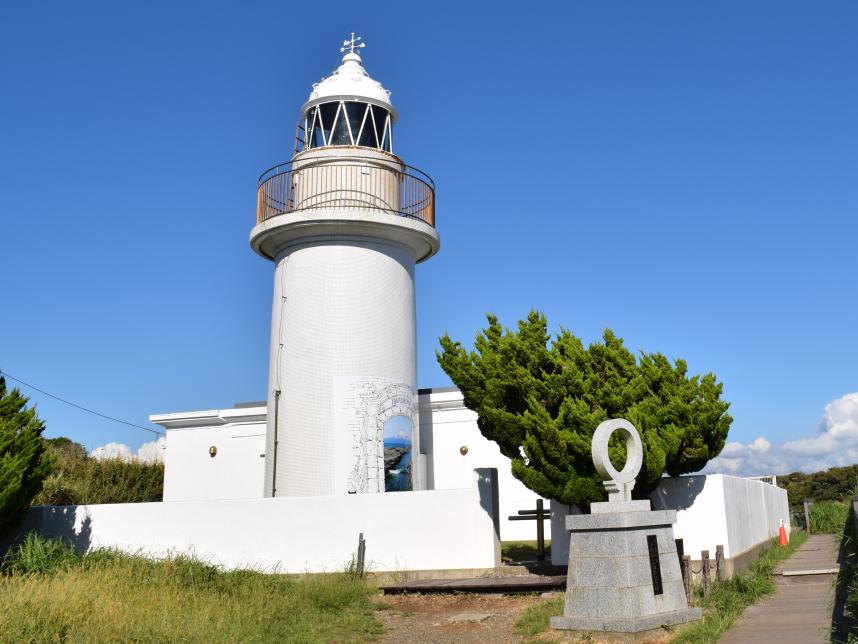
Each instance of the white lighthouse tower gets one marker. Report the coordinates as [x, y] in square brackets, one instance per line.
[345, 221]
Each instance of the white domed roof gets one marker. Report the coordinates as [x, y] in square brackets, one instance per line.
[350, 82]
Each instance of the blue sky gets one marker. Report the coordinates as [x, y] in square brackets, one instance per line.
[684, 173]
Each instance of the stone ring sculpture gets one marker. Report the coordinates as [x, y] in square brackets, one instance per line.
[619, 484]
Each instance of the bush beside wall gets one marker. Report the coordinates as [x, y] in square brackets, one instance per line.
[79, 479]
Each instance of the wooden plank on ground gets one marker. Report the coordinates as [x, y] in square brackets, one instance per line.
[516, 584]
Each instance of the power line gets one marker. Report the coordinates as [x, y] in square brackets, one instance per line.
[67, 402]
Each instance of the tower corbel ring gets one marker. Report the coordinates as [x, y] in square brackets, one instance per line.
[618, 483]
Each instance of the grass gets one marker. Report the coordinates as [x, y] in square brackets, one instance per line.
[845, 614]
[517, 551]
[728, 600]
[49, 593]
[535, 619]
[828, 517]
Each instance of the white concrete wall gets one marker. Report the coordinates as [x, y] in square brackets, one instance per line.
[237, 469]
[717, 509]
[712, 510]
[448, 529]
[446, 426]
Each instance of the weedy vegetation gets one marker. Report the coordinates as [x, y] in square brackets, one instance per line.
[50, 593]
[727, 600]
[536, 619]
[79, 479]
[829, 517]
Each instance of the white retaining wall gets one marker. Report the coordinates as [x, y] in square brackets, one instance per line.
[717, 509]
[712, 510]
[442, 529]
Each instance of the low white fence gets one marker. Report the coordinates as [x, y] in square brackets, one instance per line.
[440, 529]
[712, 510]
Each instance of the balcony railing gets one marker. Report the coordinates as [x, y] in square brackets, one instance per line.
[344, 183]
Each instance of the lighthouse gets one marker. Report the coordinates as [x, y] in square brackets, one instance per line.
[344, 222]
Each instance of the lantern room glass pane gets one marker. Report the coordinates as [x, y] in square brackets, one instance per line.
[315, 135]
[340, 134]
[328, 111]
[381, 115]
[355, 113]
[367, 137]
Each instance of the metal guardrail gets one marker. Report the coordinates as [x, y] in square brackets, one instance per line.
[346, 183]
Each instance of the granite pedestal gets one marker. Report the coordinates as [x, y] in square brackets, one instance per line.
[624, 572]
[613, 579]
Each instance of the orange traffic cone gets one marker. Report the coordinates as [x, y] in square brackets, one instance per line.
[782, 535]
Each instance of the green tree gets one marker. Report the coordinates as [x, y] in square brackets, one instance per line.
[23, 461]
[541, 400]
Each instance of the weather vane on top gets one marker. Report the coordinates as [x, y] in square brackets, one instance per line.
[351, 45]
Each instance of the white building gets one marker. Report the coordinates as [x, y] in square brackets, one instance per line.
[220, 454]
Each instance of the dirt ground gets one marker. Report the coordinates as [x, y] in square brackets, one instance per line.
[443, 619]
[464, 618]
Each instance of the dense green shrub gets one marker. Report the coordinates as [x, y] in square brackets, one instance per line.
[540, 398]
[80, 479]
[23, 461]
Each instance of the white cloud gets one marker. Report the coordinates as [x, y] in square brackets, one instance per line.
[835, 443]
[152, 452]
[760, 445]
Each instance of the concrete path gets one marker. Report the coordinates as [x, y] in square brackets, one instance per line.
[799, 612]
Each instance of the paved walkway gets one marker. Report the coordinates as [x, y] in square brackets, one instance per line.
[799, 612]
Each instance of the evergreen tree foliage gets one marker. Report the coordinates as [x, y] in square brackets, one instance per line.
[833, 484]
[541, 399]
[23, 461]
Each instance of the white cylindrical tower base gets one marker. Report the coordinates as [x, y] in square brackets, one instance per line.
[343, 359]
[342, 400]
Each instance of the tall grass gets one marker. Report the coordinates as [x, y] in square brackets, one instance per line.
[35, 555]
[829, 517]
[845, 614]
[79, 479]
[48, 593]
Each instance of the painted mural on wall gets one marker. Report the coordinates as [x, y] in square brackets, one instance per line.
[375, 435]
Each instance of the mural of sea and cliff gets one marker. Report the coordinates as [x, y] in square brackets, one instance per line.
[397, 454]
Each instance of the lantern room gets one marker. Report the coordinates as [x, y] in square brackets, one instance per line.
[347, 108]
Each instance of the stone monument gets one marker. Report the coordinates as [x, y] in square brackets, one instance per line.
[624, 573]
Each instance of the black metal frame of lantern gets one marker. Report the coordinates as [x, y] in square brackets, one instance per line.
[345, 122]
